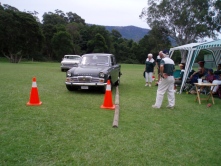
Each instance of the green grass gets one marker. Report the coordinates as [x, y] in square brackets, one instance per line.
[69, 128]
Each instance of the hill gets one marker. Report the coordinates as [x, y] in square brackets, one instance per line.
[132, 32]
[129, 32]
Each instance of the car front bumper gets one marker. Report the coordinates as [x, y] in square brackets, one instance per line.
[66, 67]
[85, 84]
[91, 82]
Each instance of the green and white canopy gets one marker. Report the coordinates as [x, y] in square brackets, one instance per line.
[193, 50]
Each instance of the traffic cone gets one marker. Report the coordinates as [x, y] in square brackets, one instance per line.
[34, 98]
[108, 104]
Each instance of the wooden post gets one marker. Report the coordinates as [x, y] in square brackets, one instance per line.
[117, 108]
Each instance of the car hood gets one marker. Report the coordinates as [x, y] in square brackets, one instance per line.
[89, 70]
[70, 61]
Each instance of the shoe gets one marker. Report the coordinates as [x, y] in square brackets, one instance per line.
[170, 107]
[149, 85]
[154, 106]
[146, 84]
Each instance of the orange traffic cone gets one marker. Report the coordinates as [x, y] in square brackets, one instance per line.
[108, 104]
[34, 98]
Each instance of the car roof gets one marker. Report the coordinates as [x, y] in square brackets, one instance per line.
[98, 54]
[71, 55]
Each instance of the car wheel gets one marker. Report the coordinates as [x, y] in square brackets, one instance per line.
[71, 88]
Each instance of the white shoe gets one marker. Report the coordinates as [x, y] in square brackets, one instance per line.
[154, 106]
[149, 85]
[170, 107]
[146, 84]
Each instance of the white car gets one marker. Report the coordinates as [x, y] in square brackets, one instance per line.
[69, 61]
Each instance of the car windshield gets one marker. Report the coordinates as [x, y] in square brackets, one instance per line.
[95, 60]
[72, 57]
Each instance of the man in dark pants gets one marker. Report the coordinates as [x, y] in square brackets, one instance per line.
[166, 83]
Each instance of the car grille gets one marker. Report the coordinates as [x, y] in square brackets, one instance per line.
[71, 64]
[85, 79]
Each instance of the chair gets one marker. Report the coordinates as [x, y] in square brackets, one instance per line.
[176, 73]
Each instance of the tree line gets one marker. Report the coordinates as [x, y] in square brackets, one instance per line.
[23, 36]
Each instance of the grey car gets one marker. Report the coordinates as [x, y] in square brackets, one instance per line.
[93, 71]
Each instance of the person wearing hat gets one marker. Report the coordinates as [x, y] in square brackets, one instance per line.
[166, 83]
[149, 69]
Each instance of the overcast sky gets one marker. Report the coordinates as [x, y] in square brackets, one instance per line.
[100, 12]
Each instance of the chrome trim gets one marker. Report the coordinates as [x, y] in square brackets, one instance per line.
[86, 84]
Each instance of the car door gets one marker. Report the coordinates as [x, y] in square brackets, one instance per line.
[115, 69]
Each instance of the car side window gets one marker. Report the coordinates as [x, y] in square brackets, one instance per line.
[113, 62]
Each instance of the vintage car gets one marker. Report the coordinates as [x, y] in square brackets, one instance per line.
[69, 61]
[93, 71]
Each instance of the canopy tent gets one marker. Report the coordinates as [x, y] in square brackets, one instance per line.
[193, 50]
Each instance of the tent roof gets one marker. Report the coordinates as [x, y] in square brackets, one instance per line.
[213, 45]
[185, 47]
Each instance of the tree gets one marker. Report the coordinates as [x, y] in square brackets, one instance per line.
[48, 31]
[215, 12]
[98, 44]
[16, 40]
[115, 35]
[34, 14]
[116, 39]
[95, 29]
[186, 21]
[62, 44]
[158, 39]
[74, 30]
[54, 18]
[73, 17]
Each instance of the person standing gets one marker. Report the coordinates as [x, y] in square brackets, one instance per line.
[149, 69]
[166, 84]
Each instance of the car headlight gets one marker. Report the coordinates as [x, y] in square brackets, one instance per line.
[101, 74]
[68, 74]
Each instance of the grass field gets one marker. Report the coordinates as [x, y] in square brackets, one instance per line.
[69, 128]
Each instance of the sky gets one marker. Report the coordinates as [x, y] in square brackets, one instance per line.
[99, 12]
